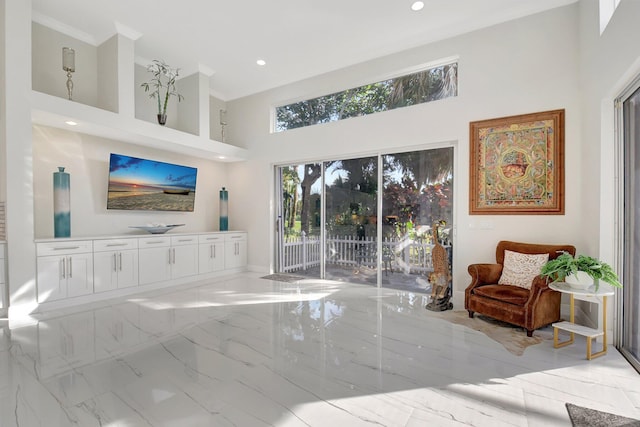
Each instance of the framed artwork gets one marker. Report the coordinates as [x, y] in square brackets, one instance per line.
[517, 165]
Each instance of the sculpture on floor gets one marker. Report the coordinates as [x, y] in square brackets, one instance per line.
[441, 276]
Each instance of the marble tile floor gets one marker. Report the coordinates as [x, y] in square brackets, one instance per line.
[245, 351]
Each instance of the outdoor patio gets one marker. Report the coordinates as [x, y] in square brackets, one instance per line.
[406, 263]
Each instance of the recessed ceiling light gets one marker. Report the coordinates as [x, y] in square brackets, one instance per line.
[71, 123]
[417, 5]
[261, 62]
[221, 157]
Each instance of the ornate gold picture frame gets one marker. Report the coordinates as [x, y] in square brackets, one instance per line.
[517, 165]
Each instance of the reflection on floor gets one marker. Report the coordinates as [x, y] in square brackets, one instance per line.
[396, 279]
[245, 351]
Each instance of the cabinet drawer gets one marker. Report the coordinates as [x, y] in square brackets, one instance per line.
[184, 240]
[114, 245]
[211, 238]
[152, 242]
[235, 237]
[64, 248]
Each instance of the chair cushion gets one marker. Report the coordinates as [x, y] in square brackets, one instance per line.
[520, 269]
[505, 293]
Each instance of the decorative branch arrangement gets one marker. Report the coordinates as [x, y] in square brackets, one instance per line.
[162, 86]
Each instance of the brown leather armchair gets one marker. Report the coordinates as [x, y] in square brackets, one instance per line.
[529, 308]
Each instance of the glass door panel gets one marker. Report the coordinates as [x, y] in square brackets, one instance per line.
[417, 214]
[328, 221]
[298, 219]
[351, 198]
[631, 276]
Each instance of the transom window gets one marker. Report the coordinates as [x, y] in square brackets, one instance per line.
[428, 85]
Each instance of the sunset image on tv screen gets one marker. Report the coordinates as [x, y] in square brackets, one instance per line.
[140, 184]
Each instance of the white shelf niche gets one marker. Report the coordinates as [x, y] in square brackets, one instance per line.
[55, 112]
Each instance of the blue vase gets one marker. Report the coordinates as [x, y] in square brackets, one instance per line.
[224, 210]
[61, 204]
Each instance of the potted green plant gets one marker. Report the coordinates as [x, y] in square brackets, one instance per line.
[162, 86]
[580, 272]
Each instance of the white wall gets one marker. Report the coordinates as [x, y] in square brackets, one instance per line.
[4, 291]
[519, 67]
[609, 63]
[86, 158]
[3, 104]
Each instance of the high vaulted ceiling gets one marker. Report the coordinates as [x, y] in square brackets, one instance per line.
[297, 38]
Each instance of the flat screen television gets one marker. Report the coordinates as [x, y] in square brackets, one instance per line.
[149, 185]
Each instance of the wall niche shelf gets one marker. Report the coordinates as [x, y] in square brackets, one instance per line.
[54, 112]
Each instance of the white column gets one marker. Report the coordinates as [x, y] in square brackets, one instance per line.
[126, 69]
[193, 112]
[116, 72]
[204, 76]
[16, 140]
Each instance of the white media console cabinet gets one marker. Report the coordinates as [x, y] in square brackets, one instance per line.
[73, 271]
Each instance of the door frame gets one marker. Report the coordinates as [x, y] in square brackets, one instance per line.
[622, 230]
[276, 198]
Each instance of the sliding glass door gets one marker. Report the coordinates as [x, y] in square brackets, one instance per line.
[298, 223]
[417, 214]
[351, 242]
[335, 223]
[630, 345]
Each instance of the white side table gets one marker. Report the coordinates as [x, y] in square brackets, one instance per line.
[591, 295]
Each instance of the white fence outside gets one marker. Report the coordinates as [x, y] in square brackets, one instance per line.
[406, 255]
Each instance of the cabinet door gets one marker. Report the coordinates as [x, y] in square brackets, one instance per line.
[211, 257]
[184, 261]
[235, 254]
[205, 258]
[79, 274]
[242, 253]
[51, 283]
[154, 265]
[230, 255]
[127, 265]
[105, 276]
[218, 257]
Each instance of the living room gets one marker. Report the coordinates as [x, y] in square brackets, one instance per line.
[556, 59]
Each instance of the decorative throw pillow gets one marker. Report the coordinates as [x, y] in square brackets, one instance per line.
[520, 269]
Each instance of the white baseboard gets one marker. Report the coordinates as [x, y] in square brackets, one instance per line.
[260, 269]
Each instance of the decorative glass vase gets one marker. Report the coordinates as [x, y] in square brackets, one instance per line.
[224, 210]
[61, 204]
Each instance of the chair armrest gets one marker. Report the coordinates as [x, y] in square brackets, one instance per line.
[484, 274]
[539, 286]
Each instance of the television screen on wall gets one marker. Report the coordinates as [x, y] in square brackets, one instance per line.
[149, 185]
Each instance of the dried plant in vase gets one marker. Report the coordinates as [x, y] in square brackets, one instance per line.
[161, 86]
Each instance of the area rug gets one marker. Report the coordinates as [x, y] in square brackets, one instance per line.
[585, 417]
[282, 277]
[513, 338]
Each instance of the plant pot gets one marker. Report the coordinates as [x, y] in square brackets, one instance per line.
[579, 280]
[162, 119]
